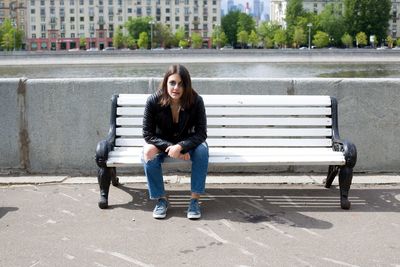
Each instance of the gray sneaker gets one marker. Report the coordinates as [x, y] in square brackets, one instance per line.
[160, 210]
[194, 209]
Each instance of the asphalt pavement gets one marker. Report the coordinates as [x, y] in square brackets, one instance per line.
[58, 223]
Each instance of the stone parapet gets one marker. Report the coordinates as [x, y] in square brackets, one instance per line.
[52, 126]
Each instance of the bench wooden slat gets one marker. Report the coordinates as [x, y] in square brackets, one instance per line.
[241, 100]
[245, 160]
[257, 132]
[245, 121]
[241, 111]
[245, 142]
[230, 151]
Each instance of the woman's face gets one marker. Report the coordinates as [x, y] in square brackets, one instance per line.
[175, 87]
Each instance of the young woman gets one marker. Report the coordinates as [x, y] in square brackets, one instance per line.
[175, 125]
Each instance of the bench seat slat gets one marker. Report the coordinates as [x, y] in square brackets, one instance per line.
[123, 121]
[257, 132]
[245, 142]
[247, 160]
[230, 151]
[239, 111]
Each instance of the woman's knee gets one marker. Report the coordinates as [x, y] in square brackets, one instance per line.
[149, 152]
[201, 151]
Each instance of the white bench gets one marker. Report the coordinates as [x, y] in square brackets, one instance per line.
[242, 130]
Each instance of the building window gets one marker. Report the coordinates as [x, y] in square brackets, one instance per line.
[72, 19]
[81, 27]
[62, 35]
[43, 35]
[177, 18]
[139, 11]
[34, 35]
[71, 10]
[72, 35]
[72, 27]
[82, 19]
[129, 10]
[33, 4]
[43, 27]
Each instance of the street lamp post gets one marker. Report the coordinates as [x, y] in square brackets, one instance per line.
[151, 34]
[309, 25]
[15, 29]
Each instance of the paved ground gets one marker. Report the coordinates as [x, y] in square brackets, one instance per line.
[59, 224]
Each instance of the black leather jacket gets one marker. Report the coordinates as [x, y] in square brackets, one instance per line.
[158, 125]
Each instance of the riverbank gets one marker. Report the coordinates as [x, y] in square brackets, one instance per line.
[200, 56]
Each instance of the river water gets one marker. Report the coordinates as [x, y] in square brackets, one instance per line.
[214, 70]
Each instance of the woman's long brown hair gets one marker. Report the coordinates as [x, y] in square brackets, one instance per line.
[189, 93]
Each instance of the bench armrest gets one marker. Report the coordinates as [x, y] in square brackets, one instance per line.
[349, 150]
[105, 146]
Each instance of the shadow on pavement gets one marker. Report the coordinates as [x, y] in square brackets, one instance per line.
[289, 205]
[5, 210]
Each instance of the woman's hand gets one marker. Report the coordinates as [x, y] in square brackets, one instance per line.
[175, 152]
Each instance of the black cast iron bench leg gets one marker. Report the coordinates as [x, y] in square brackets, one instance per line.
[345, 178]
[104, 176]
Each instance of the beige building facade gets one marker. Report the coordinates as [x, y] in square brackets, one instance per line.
[59, 24]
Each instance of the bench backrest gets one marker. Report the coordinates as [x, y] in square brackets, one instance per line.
[243, 120]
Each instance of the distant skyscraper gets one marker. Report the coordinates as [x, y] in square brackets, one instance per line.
[231, 5]
[247, 9]
[257, 10]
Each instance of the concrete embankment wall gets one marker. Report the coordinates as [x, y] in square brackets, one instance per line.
[52, 126]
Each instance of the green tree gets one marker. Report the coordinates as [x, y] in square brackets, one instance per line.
[183, 43]
[321, 39]
[254, 40]
[197, 40]
[136, 26]
[361, 39]
[180, 34]
[299, 37]
[294, 9]
[369, 16]
[118, 38]
[332, 22]
[246, 23]
[390, 41]
[242, 38]
[268, 42]
[347, 40]
[10, 37]
[398, 42]
[280, 38]
[143, 41]
[266, 31]
[230, 26]
[218, 37]
[82, 43]
[163, 35]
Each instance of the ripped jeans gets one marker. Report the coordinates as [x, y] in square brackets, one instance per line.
[155, 180]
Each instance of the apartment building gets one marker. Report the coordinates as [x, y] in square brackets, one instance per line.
[14, 10]
[278, 12]
[59, 24]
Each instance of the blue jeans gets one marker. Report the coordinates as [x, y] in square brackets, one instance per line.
[155, 180]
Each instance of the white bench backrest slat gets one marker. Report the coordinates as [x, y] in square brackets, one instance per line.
[244, 121]
[256, 132]
[241, 111]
